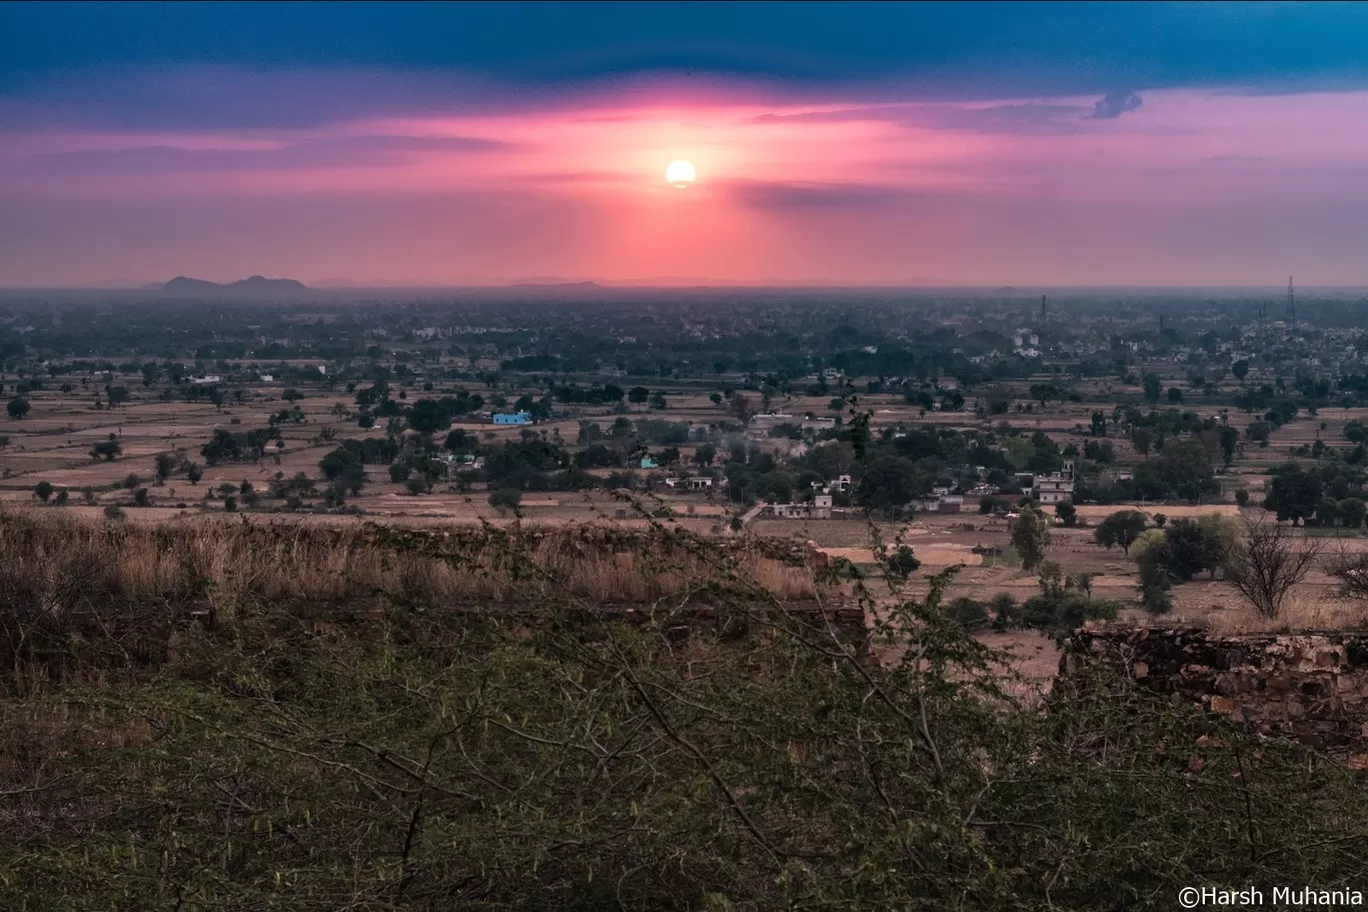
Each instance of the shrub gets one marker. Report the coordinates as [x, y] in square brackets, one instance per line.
[1062, 613]
[969, 613]
[902, 563]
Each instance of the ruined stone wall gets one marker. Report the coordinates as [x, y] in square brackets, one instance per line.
[1310, 686]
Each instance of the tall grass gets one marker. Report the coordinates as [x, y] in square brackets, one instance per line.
[56, 556]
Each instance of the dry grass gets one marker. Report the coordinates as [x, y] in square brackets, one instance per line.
[53, 557]
[1305, 610]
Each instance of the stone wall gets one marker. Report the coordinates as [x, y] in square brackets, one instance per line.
[1311, 686]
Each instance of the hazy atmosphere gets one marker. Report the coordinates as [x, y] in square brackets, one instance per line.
[683, 457]
[977, 144]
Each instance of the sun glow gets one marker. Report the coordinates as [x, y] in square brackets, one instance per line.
[681, 173]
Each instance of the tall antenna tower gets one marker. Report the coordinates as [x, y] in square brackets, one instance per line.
[1043, 300]
[1291, 303]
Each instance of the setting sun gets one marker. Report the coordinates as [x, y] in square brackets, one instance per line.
[681, 173]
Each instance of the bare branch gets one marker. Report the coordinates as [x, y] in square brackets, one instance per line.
[1268, 564]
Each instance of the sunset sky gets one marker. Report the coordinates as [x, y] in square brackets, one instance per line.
[974, 144]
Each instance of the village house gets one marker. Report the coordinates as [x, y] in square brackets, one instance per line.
[1056, 487]
[513, 418]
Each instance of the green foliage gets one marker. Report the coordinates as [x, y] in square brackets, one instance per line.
[902, 563]
[1120, 529]
[1293, 493]
[1062, 612]
[107, 450]
[505, 500]
[43, 490]
[541, 756]
[18, 408]
[1031, 537]
[1181, 470]
[163, 465]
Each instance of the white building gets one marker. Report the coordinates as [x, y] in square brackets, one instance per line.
[1057, 487]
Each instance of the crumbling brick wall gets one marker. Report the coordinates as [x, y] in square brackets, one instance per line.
[1311, 686]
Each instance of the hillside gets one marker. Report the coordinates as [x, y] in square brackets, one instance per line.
[254, 286]
[239, 717]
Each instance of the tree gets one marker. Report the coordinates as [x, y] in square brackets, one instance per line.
[163, 466]
[505, 500]
[1175, 395]
[1352, 511]
[902, 563]
[740, 407]
[427, 416]
[141, 497]
[1121, 528]
[43, 490]
[1293, 494]
[193, 472]
[1030, 537]
[335, 464]
[1268, 563]
[1153, 387]
[1230, 439]
[18, 407]
[1191, 547]
[637, 395]
[705, 454]
[291, 395]
[1182, 470]
[107, 450]
[889, 482]
[1242, 498]
[1141, 438]
[1067, 513]
[459, 440]
[1240, 369]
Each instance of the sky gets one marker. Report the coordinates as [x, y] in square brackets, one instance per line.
[975, 144]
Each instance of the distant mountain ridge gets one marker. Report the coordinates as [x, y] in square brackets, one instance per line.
[555, 284]
[251, 286]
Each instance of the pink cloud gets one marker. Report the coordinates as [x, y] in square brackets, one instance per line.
[1015, 190]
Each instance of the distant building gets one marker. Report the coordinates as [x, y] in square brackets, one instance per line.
[938, 503]
[692, 483]
[513, 418]
[648, 463]
[1056, 487]
[211, 378]
[820, 508]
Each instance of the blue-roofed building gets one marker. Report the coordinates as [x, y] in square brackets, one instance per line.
[513, 418]
[648, 463]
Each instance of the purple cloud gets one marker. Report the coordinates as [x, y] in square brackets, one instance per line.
[329, 153]
[1114, 104]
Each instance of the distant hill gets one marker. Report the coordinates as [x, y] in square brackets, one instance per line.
[255, 286]
[554, 284]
